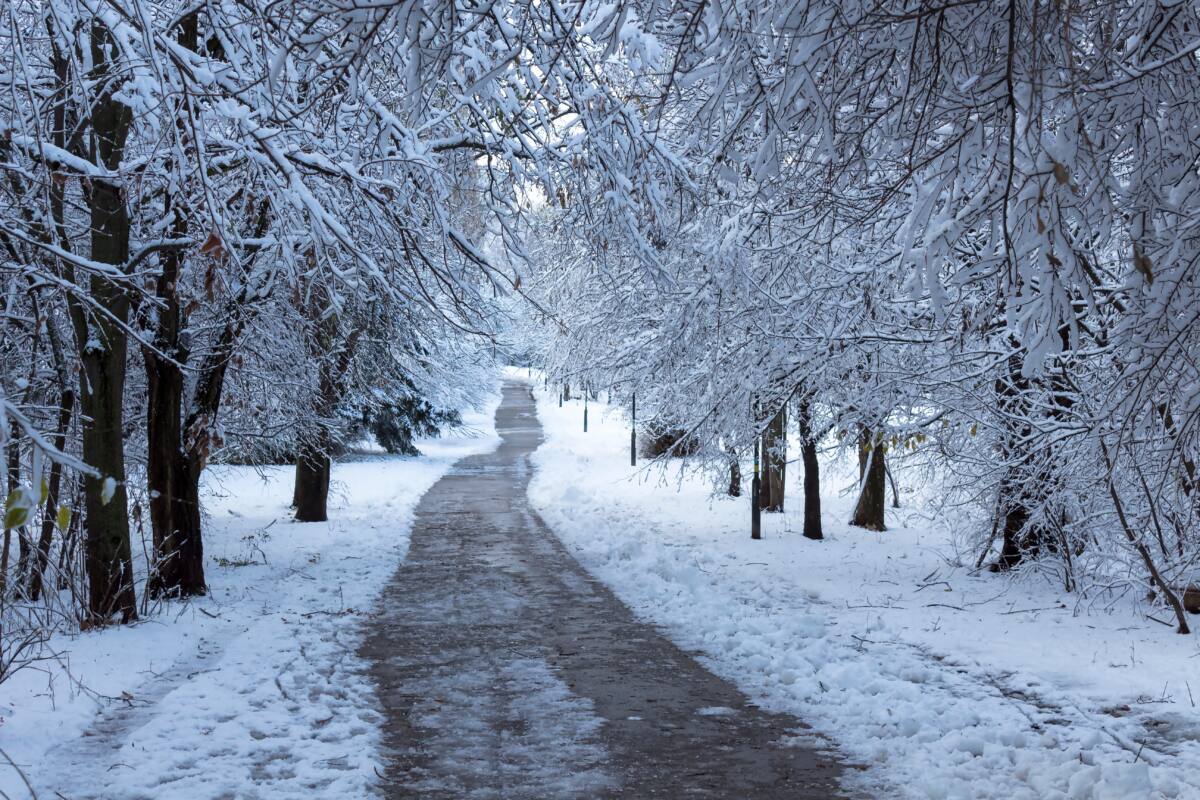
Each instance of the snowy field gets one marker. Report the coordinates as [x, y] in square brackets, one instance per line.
[254, 691]
[936, 682]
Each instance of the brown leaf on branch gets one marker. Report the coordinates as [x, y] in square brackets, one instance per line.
[214, 246]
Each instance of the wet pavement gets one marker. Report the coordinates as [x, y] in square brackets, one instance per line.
[506, 671]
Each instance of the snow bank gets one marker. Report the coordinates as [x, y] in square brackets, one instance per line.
[255, 691]
[939, 684]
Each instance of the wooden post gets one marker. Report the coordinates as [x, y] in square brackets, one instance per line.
[633, 434]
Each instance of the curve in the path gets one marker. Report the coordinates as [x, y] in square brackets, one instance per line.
[506, 671]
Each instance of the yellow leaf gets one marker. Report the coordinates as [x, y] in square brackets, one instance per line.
[63, 518]
[16, 512]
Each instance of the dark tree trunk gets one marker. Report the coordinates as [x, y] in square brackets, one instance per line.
[1022, 483]
[178, 453]
[872, 498]
[107, 550]
[566, 392]
[735, 473]
[166, 463]
[312, 484]
[102, 348]
[774, 445]
[1014, 519]
[174, 485]
[311, 493]
[812, 472]
[172, 470]
[313, 458]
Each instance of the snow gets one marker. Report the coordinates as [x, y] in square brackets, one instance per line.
[256, 690]
[939, 682]
[932, 680]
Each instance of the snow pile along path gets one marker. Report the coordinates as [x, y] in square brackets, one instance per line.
[255, 691]
[924, 713]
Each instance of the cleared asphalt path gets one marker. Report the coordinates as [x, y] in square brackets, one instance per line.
[506, 671]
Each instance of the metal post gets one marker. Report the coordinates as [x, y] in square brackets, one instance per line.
[633, 434]
[755, 486]
[585, 394]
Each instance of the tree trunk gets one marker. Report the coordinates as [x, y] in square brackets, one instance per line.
[735, 473]
[872, 498]
[311, 495]
[172, 471]
[174, 487]
[895, 489]
[774, 444]
[812, 474]
[1021, 484]
[313, 458]
[102, 355]
[312, 483]
[107, 550]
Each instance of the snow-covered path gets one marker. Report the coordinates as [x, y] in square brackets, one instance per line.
[504, 670]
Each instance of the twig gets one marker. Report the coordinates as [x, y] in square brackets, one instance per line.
[20, 772]
[1029, 610]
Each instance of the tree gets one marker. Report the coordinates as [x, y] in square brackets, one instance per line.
[774, 448]
[812, 475]
[872, 493]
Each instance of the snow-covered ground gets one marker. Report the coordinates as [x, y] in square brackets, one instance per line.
[936, 682]
[255, 691]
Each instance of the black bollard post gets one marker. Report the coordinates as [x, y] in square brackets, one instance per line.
[755, 486]
[633, 434]
[585, 394]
